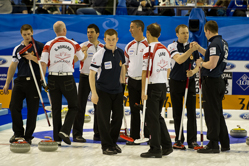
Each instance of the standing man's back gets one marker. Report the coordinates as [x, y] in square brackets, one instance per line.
[58, 55]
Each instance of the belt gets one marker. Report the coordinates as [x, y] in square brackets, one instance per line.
[28, 78]
[137, 78]
[61, 73]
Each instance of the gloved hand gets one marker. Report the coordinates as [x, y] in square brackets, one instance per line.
[44, 86]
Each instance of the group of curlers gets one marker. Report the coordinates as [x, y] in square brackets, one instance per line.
[148, 64]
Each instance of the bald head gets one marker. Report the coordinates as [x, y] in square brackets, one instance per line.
[60, 28]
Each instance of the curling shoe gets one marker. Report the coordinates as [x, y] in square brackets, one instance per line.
[132, 143]
[166, 152]
[79, 139]
[109, 151]
[13, 138]
[207, 149]
[179, 145]
[117, 149]
[225, 149]
[151, 155]
[193, 145]
[65, 138]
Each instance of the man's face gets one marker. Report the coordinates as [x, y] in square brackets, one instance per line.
[26, 35]
[134, 30]
[183, 35]
[111, 41]
[92, 35]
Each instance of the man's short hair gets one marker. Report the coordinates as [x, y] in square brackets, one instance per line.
[95, 27]
[139, 23]
[212, 26]
[26, 27]
[154, 29]
[110, 32]
[59, 26]
[180, 26]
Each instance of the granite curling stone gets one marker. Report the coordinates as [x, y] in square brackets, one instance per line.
[87, 118]
[247, 140]
[20, 146]
[48, 145]
[238, 132]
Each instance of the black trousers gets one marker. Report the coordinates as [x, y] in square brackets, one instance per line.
[83, 93]
[24, 88]
[213, 93]
[109, 129]
[160, 137]
[134, 89]
[58, 86]
[177, 91]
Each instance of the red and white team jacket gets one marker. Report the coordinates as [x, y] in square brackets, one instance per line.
[59, 53]
[84, 66]
[159, 62]
[134, 57]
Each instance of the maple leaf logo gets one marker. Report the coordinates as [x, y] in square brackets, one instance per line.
[162, 63]
[62, 55]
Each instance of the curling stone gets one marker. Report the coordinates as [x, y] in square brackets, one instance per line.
[20, 146]
[87, 118]
[238, 132]
[247, 140]
[48, 145]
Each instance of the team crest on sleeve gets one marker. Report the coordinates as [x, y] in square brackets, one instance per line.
[191, 57]
[120, 63]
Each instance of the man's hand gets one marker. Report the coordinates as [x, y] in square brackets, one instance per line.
[44, 86]
[6, 89]
[143, 3]
[28, 56]
[198, 62]
[84, 48]
[192, 44]
[189, 73]
[195, 46]
[143, 97]
[95, 98]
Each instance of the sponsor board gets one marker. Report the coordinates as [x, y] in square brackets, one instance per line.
[5, 60]
[91, 111]
[240, 83]
[3, 77]
[236, 66]
[237, 102]
[247, 66]
[198, 114]
[230, 66]
[227, 115]
[244, 116]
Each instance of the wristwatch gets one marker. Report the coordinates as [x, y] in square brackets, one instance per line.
[201, 64]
